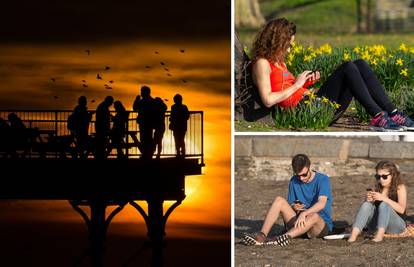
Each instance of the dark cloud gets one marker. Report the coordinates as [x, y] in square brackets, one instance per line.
[93, 20]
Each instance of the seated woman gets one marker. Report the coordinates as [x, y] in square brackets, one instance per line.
[277, 86]
[385, 206]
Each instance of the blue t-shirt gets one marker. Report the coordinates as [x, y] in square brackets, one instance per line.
[308, 194]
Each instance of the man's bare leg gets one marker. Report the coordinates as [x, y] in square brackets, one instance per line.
[313, 226]
[279, 206]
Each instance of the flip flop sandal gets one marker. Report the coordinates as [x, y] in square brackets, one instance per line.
[254, 240]
[279, 240]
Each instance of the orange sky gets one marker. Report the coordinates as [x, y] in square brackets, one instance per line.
[26, 71]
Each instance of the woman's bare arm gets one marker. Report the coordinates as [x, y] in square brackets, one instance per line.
[401, 205]
[261, 77]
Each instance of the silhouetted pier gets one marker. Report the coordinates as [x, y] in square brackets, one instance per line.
[52, 173]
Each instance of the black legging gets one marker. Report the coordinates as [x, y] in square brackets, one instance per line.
[356, 79]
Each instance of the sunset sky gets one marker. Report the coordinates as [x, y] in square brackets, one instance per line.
[48, 39]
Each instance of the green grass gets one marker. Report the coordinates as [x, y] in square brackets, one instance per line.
[321, 17]
[329, 21]
[391, 41]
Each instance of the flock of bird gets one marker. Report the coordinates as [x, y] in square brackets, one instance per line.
[109, 84]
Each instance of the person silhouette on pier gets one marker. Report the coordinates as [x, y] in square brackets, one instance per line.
[103, 127]
[178, 124]
[119, 128]
[79, 125]
[144, 105]
[159, 124]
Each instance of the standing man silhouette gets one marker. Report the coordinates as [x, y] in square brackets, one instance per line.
[144, 105]
[103, 127]
[178, 124]
[81, 119]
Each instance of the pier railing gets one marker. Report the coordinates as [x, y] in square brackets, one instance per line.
[53, 124]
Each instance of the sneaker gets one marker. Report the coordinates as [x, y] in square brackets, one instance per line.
[383, 123]
[403, 120]
[279, 240]
[257, 239]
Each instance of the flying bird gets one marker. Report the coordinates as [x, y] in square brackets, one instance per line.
[84, 85]
[55, 97]
[111, 81]
[84, 81]
[166, 69]
[98, 77]
[169, 74]
[162, 63]
[53, 79]
[184, 81]
[107, 67]
[147, 67]
[182, 50]
[93, 101]
[88, 51]
[156, 52]
[107, 87]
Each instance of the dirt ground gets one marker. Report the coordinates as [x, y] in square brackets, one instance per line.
[253, 198]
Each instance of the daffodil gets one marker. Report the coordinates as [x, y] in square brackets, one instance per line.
[347, 56]
[412, 50]
[374, 62]
[399, 62]
[366, 56]
[403, 47]
[404, 72]
[307, 102]
[336, 105]
[357, 50]
[307, 58]
[325, 100]
[312, 96]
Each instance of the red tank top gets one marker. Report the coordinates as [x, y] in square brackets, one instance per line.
[281, 79]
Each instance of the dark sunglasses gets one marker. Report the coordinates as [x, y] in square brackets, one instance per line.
[384, 176]
[304, 174]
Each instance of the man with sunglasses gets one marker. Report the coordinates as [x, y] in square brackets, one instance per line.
[307, 210]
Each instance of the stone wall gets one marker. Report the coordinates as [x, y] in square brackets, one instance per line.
[269, 157]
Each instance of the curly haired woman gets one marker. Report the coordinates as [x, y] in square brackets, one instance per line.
[277, 86]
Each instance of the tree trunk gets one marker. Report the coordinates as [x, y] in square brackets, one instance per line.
[368, 17]
[358, 15]
[248, 14]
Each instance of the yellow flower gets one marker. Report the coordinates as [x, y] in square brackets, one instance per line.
[366, 56]
[307, 58]
[325, 100]
[404, 72]
[307, 102]
[399, 62]
[403, 47]
[357, 50]
[312, 96]
[383, 59]
[412, 50]
[313, 54]
[290, 57]
[336, 105]
[347, 56]
[374, 62]
[326, 48]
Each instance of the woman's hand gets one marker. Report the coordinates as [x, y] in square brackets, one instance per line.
[377, 196]
[302, 78]
[369, 196]
[315, 76]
